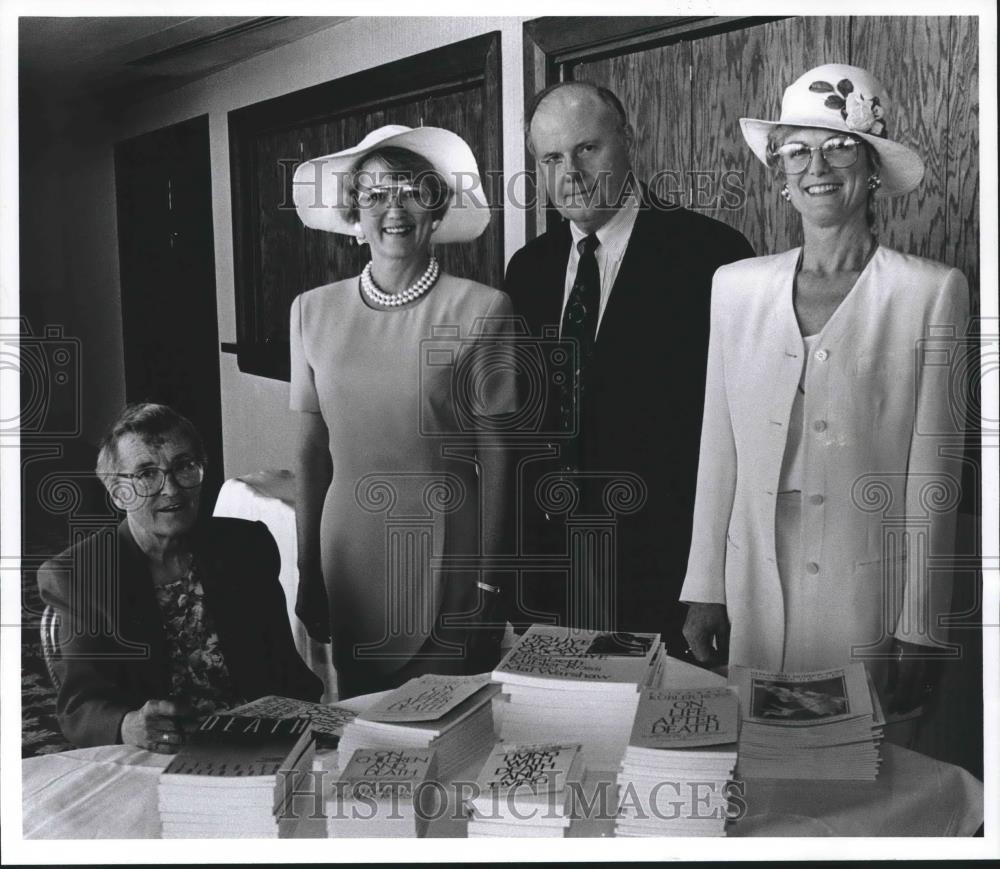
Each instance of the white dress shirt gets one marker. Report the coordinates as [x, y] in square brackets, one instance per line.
[613, 238]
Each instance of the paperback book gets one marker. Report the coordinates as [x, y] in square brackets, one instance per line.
[572, 685]
[682, 754]
[459, 731]
[325, 720]
[824, 724]
[380, 794]
[234, 775]
[526, 790]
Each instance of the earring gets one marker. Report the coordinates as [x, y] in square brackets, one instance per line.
[786, 194]
[874, 182]
[434, 225]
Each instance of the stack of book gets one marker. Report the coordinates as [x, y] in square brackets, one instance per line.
[379, 794]
[825, 724]
[451, 714]
[234, 778]
[573, 685]
[527, 791]
[674, 778]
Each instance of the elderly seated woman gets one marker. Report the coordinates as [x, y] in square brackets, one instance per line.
[182, 615]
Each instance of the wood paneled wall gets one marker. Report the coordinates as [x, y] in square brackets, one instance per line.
[685, 100]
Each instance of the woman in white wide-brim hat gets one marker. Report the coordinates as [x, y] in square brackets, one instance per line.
[822, 482]
[386, 372]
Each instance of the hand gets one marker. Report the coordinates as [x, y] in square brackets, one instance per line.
[158, 726]
[913, 675]
[706, 629]
[312, 605]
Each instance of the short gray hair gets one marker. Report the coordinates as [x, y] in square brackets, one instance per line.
[145, 420]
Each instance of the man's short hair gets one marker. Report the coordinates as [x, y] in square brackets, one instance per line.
[146, 420]
[608, 97]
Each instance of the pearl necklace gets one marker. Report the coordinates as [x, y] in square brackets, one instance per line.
[392, 300]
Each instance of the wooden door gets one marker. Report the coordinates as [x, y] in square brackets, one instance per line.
[167, 265]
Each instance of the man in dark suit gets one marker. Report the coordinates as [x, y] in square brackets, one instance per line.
[626, 281]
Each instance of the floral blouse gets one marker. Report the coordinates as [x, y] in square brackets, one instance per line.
[198, 672]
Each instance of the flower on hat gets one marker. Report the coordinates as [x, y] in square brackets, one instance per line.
[860, 113]
[864, 115]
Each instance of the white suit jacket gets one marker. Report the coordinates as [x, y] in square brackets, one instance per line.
[882, 436]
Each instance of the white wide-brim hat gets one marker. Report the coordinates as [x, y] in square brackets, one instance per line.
[319, 186]
[846, 99]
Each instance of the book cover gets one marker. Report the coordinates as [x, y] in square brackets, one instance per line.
[549, 653]
[326, 721]
[383, 773]
[442, 723]
[425, 698]
[685, 718]
[803, 699]
[236, 746]
[535, 769]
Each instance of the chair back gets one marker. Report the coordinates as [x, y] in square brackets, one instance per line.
[49, 629]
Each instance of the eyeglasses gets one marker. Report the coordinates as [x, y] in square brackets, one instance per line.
[187, 473]
[412, 197]
[839, 152]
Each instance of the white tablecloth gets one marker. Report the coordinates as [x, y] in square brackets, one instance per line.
[269, 497]
[109, 792]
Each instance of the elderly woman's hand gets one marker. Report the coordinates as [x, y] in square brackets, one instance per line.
[157, 726]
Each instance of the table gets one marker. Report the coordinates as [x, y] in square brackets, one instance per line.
[269, 497]
[109, 792]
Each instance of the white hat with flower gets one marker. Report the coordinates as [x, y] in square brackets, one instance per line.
[845, 99]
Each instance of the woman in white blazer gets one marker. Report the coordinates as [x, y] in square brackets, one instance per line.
[825, 477]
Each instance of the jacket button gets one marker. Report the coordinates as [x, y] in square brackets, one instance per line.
[812, 568]
[822, 355]
[816, 499]
[819, 425]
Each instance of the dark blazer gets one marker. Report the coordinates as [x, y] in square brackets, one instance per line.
[643, 405]
[112, 637]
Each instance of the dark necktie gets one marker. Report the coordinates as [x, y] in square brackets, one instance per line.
[579, 324]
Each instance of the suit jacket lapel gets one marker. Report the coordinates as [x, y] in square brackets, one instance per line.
[633, 272]
[553, 276]
[137, 599]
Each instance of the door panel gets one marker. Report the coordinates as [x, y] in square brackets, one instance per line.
[167, 265]
[743, 73]
[655, 88]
